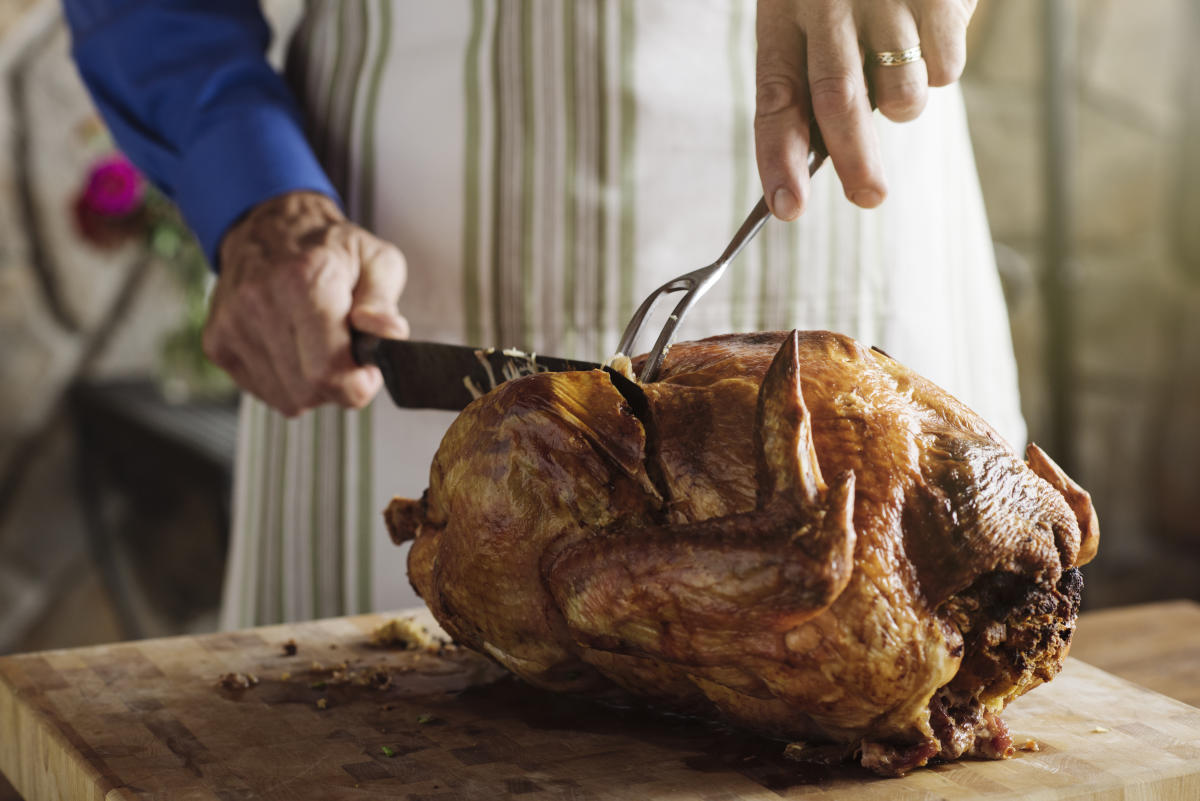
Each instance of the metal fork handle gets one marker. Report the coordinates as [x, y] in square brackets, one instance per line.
[750, 228]
[696, 283]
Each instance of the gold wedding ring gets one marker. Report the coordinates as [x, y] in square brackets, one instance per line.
[896, 58]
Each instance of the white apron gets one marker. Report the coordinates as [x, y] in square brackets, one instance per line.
[543, 166]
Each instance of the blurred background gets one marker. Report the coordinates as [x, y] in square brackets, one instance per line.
[116, 440]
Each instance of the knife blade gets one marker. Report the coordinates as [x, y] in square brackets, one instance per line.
[434, 375]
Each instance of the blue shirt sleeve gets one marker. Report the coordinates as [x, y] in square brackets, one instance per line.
[187, 92]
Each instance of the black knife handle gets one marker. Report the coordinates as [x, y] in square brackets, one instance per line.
[364, 348]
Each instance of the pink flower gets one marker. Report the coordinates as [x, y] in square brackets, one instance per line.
[114, 188]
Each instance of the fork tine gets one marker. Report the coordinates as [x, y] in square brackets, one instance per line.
[638, 321]
[659, 352]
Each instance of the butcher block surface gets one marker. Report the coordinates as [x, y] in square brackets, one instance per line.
[148, 720]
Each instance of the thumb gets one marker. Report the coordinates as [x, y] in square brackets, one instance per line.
[381, 280]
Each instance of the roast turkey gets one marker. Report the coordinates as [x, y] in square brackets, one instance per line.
[788, 530]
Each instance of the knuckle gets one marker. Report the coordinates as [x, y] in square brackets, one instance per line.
[336, 390]
[948, 67]
[213, 344]
[834, 95]
[330, 385]
[396, 258]
[314, 398]
[323, 237]
[288, 405]
[945, 35]
[355, 391]
[386, 264]
[254, 298]
[775, 94]
[316, 375]
[300, 272]
[318, 277]
[356, 398]
[391, 253]
[361, 393]
[212, 350]
[822, 14]
[902, 101]
[946, 9]
[272, 399]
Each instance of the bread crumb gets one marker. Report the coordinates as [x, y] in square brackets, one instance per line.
[1099, 730]
[322, 703]
[284, 676]
[290, 648]
[1030, 745]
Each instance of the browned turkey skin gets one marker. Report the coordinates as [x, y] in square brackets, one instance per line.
[789, 530]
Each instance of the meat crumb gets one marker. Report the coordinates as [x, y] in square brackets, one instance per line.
[237, 681]
[378, 677]
[620, 363]
[381, 679]
[795, 750]
[406, 634]
[290, 648]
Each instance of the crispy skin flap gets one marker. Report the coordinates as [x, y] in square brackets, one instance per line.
[1076, 497]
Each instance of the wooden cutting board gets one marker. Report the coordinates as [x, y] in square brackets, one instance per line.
[147, 720]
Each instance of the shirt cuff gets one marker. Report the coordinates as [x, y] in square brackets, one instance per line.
[239, 162]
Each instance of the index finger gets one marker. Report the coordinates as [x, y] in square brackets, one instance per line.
[782, 113]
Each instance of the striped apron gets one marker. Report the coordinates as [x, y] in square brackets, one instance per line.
[543, 166]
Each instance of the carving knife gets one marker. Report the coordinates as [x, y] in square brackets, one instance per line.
[434, 375]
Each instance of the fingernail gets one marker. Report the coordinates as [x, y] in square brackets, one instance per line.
[786, 206]
[866, 198]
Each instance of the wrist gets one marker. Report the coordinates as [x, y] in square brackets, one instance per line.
[284, 222]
